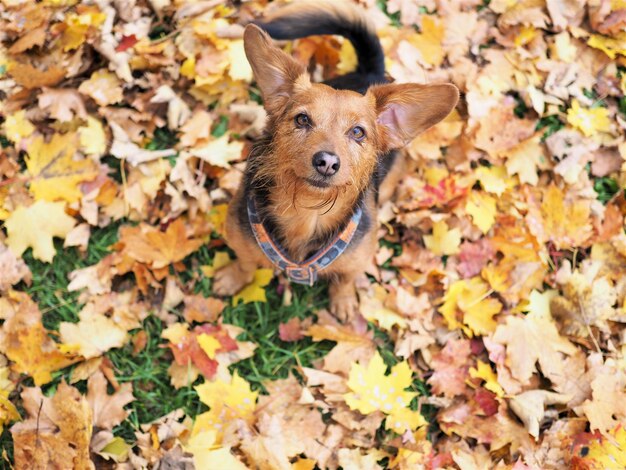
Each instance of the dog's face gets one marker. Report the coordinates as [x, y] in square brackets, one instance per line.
[326, 138]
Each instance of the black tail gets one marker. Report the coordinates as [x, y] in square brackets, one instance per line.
[308, 18]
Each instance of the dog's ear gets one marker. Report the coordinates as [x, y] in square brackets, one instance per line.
[274, 71]
[406, 110]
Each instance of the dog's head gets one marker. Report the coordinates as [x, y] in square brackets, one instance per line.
[329, 138]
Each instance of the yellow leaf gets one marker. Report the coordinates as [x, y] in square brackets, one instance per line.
[589, 121]
[8, 411]
[92, 138]
[484, 371]
[610, 46]
[526, 35]
[17, 127]
[402, 420]
[482, 208]
[54, 172]
[220, 260]
[373, 309]
[494, 179]
[443, 241]
[254, 291]
[523, 159]
[609, 453]
[303, 464]
[217, 216]
[208, 344]
[471, 299]
[430, 40]
[219, 152]
[372, 390]
[175, 332]
[188, 69]
[93, 335]
[239, 67]
[35, 226]
[207, 453]
[347, 58]
[77, 27]
[227, 402]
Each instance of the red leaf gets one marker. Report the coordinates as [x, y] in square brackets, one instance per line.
[126, 43]
[290, 331]
[487, 401]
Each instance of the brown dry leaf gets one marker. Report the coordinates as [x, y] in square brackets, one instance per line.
[201, 309]
[451, 369]
[12, 269]
[533, 339]
[108, 410]
[34, 37]
[31, 77]
[62, 104]
[158, 249]
[57, 431]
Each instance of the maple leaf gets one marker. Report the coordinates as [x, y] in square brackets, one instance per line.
[17, 126]
[35, 226]
[450, 367]
[483, 371]
[372, 390]
[255, 292]
[589, 121]
[189, 346]
[201, 309]
[533, 339]
[55, 174]
[524, 158]
[227, 401]
[429, 41]
[482, 208]
[103, 86]
[530, 407]
[598, 452]
[57, 431]
[147, 244]
[219, 152]
[26, 343]
[562, 220]
[108, 410]
[443, 241]
[471, 297]
[93, 335]
[207, 453]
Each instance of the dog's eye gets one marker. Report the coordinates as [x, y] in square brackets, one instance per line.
[357, 133]
[303, 120]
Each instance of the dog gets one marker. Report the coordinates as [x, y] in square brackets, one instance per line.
[308, 201]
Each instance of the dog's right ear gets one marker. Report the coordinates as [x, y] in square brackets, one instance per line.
[275, 72]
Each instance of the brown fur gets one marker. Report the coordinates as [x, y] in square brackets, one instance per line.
[392, 115]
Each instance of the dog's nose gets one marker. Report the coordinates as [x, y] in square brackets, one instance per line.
[326, 163]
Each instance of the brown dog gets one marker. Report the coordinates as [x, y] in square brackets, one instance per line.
[309, 197]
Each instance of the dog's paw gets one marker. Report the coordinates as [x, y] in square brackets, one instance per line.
[345, 307]
[230, 279]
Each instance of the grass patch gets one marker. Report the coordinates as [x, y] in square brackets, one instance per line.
[147, 371]
[50, 280]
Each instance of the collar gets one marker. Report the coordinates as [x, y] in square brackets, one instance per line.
[305, 272]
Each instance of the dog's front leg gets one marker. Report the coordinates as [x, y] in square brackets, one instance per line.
[344, 303]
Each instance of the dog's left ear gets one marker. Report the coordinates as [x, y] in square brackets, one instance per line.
[406, 110]
[274, 71]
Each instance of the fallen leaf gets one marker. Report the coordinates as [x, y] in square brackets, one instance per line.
[108, 410]
[35, 226]
[255, 292]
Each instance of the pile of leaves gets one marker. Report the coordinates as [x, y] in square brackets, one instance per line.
[493, 314]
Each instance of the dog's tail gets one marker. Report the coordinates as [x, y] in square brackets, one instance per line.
[307, 18]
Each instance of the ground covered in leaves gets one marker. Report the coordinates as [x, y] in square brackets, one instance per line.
[493, 313]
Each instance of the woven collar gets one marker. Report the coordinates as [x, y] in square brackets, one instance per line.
[305, 272]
